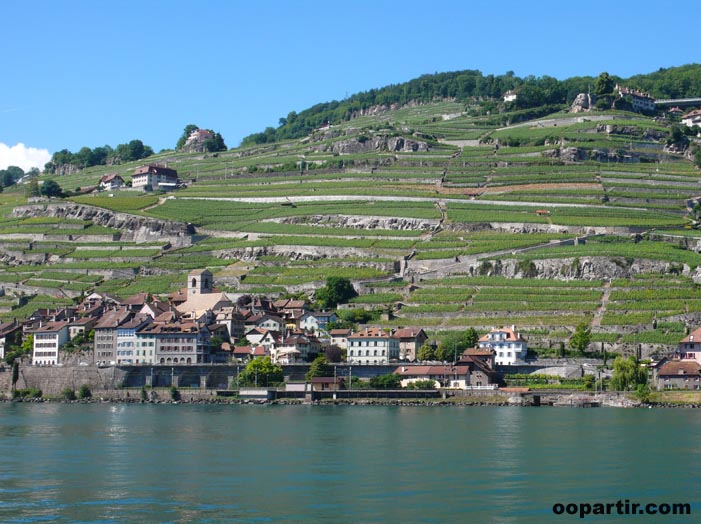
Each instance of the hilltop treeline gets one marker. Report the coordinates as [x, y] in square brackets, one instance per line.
[678, 82]
[64, 160]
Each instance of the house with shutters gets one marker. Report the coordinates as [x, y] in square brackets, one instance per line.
[110, 182]
[509, 346]
[372, 346]
[154, 177]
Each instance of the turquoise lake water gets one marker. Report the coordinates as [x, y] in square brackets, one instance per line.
[115, 463]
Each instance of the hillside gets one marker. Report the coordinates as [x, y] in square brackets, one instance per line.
[436, 211]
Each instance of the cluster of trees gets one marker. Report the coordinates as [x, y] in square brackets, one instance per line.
[211, 145]
[450, 347]
[10, 176]
[678, 82]
[105, 155]
[50, 188]
[337, 290]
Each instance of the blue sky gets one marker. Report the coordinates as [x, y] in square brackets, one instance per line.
[90, 73]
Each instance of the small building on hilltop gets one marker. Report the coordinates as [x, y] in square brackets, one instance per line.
[155, 177]
[640, 101]
[195, 143]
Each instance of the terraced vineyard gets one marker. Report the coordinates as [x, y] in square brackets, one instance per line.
[444, 217]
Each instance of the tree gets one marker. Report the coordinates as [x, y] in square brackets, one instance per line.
[388, 381]
[319, 368]
[604, 84]
[33, 188]
[337, 291]
[186, 133]
[215, 144]
[454, 343]
[627, 374]
[261, 372]
[68, 394]
[50, 188]
[15, 374]
[426, 352]
[333, 354]
[84, 392]
[581, 338]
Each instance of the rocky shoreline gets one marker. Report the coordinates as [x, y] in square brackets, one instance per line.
[451, 402]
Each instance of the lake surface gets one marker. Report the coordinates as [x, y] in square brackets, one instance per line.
[115, 463]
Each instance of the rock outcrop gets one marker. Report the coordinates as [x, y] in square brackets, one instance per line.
[133, 228]
[581, 104]
[365, 144]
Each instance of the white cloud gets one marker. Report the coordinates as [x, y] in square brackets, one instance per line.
[22, 156]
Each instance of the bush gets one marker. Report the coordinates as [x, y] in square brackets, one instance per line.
[144, 394]
[388, 381]
[174, 393]
[68, 394]
[421, 384]
[27, 393]
[84, 392]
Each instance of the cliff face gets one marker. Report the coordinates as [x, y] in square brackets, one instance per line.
[133, 228]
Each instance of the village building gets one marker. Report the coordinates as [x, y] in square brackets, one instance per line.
[372, 346]
[510, 348]
[105, 337]
[202, 299]
[110, 182]
[410, 340]
[640, 101]
[457, 377]
[317, 321]
[679, 374]
[154, 177]
[689, 348]
[48, 338]
[233, 320]
[127, 352]
[10, 335]
[339, 337]
[183, 342]
[510, 96]
[691, 119]
[195, 142]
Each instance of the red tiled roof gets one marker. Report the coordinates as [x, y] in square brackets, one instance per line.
[679, 368]
[408, 332]
[371, 332]
[694, 336]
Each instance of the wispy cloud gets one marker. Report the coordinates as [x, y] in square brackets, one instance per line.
[22, 156]
[12, 109]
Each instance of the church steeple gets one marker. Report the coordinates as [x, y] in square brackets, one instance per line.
[199, 282]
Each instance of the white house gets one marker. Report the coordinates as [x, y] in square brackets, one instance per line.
[692, 118]
[510, 348]
[155, 177]
[127, 352]
[339, 337]
[48, 338]
[510, 96]
[372, 346]
[112, 181]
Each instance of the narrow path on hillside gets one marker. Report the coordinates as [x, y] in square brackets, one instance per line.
[374, 198]
[599, 315]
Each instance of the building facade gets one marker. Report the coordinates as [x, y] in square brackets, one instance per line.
[47, 340]
[372, 346]
[509, 347]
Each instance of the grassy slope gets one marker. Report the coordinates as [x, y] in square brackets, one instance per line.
[476, 184]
